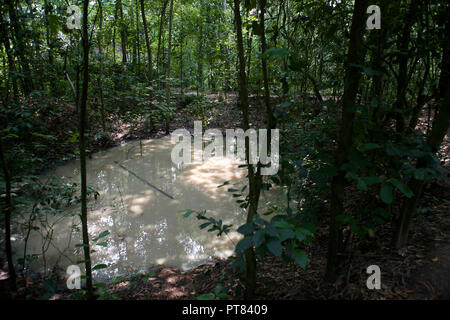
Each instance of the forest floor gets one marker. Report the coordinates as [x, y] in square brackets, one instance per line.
[420, 271]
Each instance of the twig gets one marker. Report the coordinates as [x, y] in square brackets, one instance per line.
[144, 181]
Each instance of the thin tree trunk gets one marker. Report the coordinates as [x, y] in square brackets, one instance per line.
[48, 10]
[421, 98]
[169, 58]
[7, 211]
[138, 39]
[254, 178]
[200, 62]
[99, 79]
[10, 58]
[269, 113]
[181, 64]
[355, 57]
[83, 118]
[377, 60]
[403, 57]
[147, 44]
[158, 54]
[123, 31]
[440, 128]
[134, 55]
[114, 45]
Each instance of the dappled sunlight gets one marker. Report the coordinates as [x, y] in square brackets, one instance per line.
[212, 173]
[146, 226]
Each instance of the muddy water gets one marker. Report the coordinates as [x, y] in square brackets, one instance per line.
[146, 226]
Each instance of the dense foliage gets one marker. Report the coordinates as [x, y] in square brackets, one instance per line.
[363, 114]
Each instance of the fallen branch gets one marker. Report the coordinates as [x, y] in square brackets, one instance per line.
[143, 180]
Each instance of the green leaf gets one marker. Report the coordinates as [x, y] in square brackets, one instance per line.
[43, 136]
[362, 185]
[258, 238]
[370, 147]
[301, 258]
[188, 213]
[372, 180]
[50, 285]
[286, 234]
[244, 244]
[204, 225]
[246, 229]
[402, 187]
[74, 138]
[302, 234]
[386, 193]
[276, 53]
[351, 175]
[223, 296]
[99, 266]
[218, 289]
[208, 296]
[419, 174]
[102, 244]
[224, 184]
[271, 230]
[275, 247]
[283, 224]
[101, 235]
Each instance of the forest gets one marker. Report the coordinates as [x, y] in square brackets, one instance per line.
[349, 101]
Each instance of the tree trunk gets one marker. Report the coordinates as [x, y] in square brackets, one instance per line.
[147, 44]
[389, 10]
[169, 58]
[83, 118]
[355, 57]
[181, 64]
[440, 128]
[99, 79]
[269, 112]
[158, 55]
[403, 79]
[123, 32]
[48, 11]
[138, 39]
[114, 45]
[11, 64]
[7, 211]
[200, 62]
[254, 178]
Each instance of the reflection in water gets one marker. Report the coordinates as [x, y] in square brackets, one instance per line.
[146, 226]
